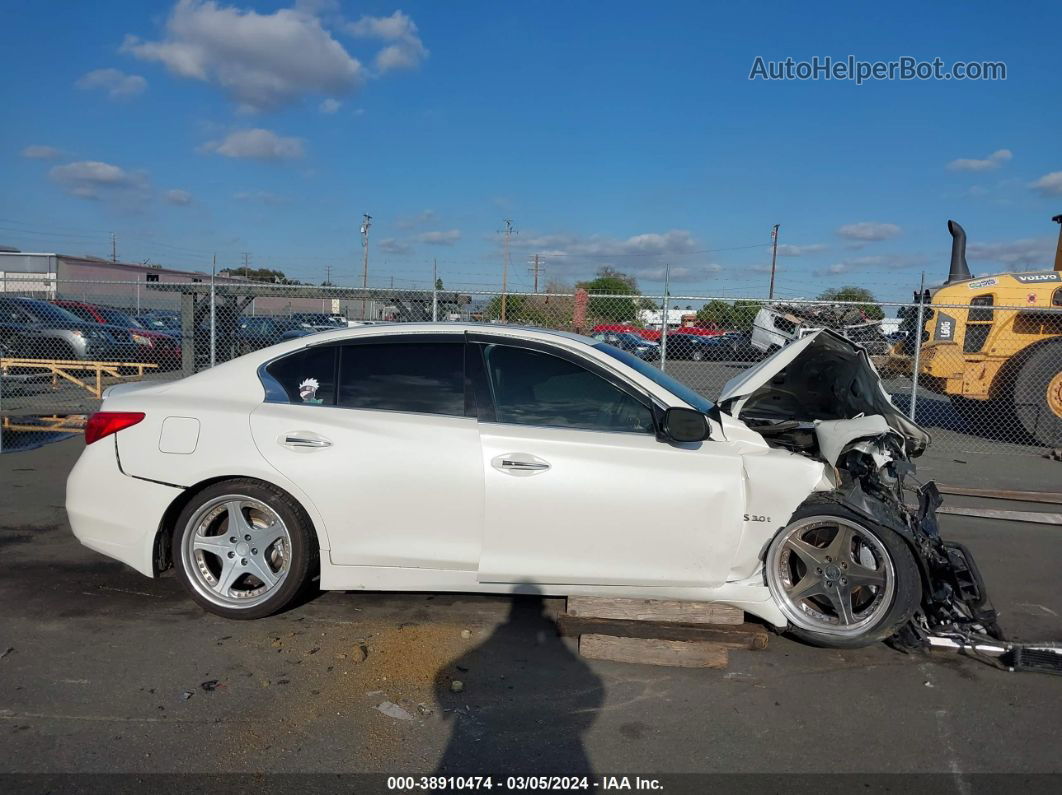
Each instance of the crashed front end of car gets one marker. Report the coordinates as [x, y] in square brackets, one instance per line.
[821, 397]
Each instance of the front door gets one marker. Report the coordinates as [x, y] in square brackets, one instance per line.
[580, 491]
[376, 434]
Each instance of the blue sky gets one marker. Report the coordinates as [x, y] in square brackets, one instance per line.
[623, 134]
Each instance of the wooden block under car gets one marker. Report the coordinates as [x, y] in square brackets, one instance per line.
[734, 636]
[651, 651]
[656, 610]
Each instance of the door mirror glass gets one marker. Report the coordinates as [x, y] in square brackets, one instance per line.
[685, 425]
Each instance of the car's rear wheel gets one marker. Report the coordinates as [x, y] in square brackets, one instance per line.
[244, 549]
[840, 580]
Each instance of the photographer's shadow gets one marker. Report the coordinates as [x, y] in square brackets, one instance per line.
[526, 700]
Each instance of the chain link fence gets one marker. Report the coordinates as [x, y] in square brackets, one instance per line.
[981, 378]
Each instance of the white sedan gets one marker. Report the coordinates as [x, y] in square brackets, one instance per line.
[458, 457]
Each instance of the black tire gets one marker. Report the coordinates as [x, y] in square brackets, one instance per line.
[302, 566]
[1038, 394]
[978, 414]
[888, 618]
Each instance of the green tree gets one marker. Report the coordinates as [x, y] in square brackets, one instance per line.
[737, 316]
[611, 282]
[860, 295]
[518, 309]
[715, 313]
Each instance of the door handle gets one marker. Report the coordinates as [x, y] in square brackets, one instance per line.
[313, 442]
[519, 462]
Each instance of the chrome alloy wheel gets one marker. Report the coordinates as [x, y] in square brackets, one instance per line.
[237, 550]
[831, 576]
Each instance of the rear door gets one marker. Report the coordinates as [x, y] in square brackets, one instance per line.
[578, 488]
[376, 433]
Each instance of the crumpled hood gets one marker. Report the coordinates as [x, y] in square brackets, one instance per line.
[820, 377]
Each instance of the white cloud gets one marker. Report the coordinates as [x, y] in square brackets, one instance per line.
[1024, 252]
[92, 179]
[1049, 184]
[881, 262]
[257, 144]
[445, 237]
[790, 250]
[177, 196]
[262, 61]
[678, 273]
[420, 219]
[869, 230]
[390, 245]
[115, 82]
[330, 106]
[674, 242]
[994, 160]
[35, 152]
[404, 49]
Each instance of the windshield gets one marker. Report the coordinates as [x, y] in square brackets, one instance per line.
[659, 377]
[116, 318]
[50, 313]
[635, 339]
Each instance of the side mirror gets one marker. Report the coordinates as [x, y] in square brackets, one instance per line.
[685, 425]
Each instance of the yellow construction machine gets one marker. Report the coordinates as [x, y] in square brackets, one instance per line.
[1000, 366]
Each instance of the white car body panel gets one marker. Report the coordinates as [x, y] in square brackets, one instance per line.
[431, 516]
[404, 501]
[589, 518]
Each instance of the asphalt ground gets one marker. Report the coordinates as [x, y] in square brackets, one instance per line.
[103, 670]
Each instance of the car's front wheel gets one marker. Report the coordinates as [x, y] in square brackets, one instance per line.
[840, 580]
[244, 549]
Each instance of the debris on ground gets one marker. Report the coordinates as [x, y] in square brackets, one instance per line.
[466, 633]
[6, 652]
[392, 710]
[457, 686]
[187, 694]
[209, 686]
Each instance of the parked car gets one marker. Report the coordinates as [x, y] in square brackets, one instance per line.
[39, 330]
[460, 457]
[261, 331]
[155, 346]
[162, 321]
[319, 321]
[700, 347]
[630, 342]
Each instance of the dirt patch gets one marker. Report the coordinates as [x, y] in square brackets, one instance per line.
[324, 681]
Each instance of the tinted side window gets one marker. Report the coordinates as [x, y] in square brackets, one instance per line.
[308, 376]
[81, 312]
[534, 388]
[426, 377]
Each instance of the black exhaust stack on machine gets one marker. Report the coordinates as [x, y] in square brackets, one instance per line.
[959, 269]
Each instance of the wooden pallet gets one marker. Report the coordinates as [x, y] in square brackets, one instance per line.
[654, 632]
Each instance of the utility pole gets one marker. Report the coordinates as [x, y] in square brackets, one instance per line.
[774, 258]
[664, 318]
[328, 275]
[213, 313]
[366, 222]
[434, 289]
[505, 267]
[114, 247]
[246, 261]
[535, 270]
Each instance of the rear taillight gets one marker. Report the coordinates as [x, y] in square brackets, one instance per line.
[104, 423]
